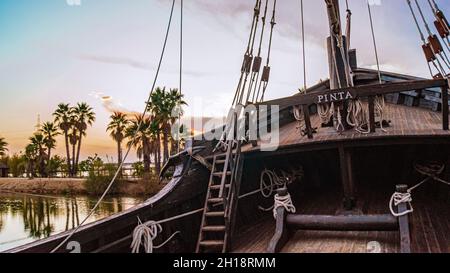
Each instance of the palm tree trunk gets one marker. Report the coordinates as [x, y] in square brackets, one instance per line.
[78, 152]
[66, 136]
[119, 156]
[158, 153]
[73, 172]
[166, 142]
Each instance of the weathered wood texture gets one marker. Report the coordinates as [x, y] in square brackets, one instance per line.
[406, 122]
[430, 233]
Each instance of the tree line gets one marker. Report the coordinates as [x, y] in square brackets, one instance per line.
[150, 135]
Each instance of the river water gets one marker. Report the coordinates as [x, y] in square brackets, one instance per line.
[27, 218]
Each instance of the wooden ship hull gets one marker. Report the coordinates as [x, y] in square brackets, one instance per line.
[341, 184]
[344, 174]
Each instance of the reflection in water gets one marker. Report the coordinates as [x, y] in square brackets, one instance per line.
[24, 219]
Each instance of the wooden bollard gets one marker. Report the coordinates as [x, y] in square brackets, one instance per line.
[281, 235]
[403, 222]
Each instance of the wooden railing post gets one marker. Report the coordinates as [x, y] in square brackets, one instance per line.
[372, 127]
[403, 222]
[281, 235]
[445, 108]
[309, 130]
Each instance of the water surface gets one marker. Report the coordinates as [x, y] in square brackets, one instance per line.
[27, 218]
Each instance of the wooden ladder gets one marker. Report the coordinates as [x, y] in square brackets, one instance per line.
[221, 200]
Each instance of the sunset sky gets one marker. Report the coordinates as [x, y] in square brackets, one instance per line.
[52, 52]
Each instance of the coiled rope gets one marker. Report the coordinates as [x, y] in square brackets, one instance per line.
[432, 170]
[283, 202]
[146, 233]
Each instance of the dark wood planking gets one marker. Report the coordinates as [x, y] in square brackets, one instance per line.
[445, 108]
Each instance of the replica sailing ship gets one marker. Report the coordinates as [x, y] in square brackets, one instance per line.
[355, 153]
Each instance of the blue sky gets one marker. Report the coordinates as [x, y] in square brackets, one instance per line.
[52, 52]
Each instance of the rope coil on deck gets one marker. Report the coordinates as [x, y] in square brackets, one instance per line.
[283, 202]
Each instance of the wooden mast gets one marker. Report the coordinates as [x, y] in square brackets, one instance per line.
[339, 78]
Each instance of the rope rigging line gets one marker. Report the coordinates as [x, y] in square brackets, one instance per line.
[256, 68]
[303, 45]
[245, 62]
[429, 55]
[441, 23]
[266, 70]
[433, 40]
[348, 25]
[181, 69]
[133, 139]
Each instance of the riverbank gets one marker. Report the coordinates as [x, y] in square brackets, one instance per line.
[72, 186]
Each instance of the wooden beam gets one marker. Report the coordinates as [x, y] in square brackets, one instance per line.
[383, 222]
[281, 235]
[309, 130]
[360, 91]
[403, 222]
[347, 177]
[445, 108]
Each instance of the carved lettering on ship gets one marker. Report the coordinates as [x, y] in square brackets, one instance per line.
[334, 97]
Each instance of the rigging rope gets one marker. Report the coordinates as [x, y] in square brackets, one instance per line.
[431, 58]
[181, 70]
[441, 24]
[433, 40]
[133, 139]
[303, 45]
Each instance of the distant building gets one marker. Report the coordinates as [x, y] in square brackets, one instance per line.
[3, 170]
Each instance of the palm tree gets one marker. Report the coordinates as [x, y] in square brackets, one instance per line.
[63, 119]
[73, 140]
[3, 146]
[84, 116]
[31, 155]
[38, 141]
[50, 132]
[176, 102]
[162, 106]
[117, 127]
[141, 138]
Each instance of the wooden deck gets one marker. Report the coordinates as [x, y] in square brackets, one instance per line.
[430, 227]
[405, 122]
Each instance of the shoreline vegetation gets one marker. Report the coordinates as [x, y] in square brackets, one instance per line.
[73, 186]
[37, 170]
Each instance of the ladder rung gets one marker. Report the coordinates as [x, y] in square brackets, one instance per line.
[217, 187]
[211, 243]
[215, 214]
[214, 228]
[220, 161]
[221, 173]
[215, 200]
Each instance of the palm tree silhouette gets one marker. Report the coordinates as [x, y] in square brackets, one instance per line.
[84, 116]
[117, 127]
[50, 132]
[3, 146]
[63, 119]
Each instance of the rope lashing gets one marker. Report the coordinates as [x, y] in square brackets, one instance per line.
[432, 170]
[283, 202]
[399, 198]
[146, 233]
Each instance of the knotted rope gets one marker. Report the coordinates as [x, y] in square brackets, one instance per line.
[432, 170]
[283, 202]
[146, 233]
[298, 114]
[399, 198]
